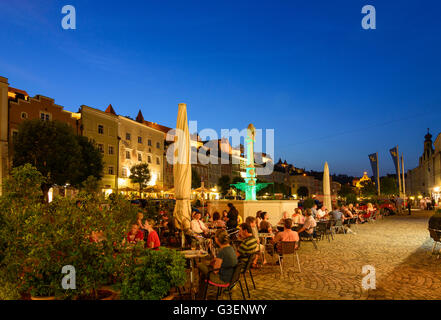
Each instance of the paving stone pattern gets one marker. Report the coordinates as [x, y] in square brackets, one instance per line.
[399, 247]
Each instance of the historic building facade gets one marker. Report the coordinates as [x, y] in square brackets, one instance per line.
[102, 128]
[17, 106]
[140, 143]
[426, 178]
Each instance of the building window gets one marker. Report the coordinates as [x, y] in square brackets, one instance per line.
[100, 129]
[110, 149]
[158, 145]
[110, 171]
[149, 159]
[101, 148]
[149, 143]
[128, 136]
[124, 172]
[139, 157]
[139, 139]
[14, 134]
[158, 161]
[24, 115]
[127, 154]
[45, 116]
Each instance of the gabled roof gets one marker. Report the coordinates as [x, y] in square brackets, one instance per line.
[110, 110]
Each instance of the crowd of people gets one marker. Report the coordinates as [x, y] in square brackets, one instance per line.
[256, 235]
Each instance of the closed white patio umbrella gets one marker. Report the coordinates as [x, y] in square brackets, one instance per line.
[182, 170]
[327, 188]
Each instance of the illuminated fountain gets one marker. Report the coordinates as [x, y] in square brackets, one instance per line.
[250, 187]
[250, 205]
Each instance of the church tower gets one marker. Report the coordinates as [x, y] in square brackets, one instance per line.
[428, 146]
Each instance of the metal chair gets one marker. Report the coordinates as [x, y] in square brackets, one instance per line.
[309, 236]
[338, 226]
[285, 248]
[235, 279]
[323, 230]
[249, 262]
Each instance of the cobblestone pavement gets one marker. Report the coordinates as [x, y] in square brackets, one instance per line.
[399, 248]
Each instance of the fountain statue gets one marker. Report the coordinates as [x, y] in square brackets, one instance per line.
[250, 186]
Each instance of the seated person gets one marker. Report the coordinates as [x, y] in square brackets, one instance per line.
[225, 216]
[153, 238]
[248, 245]
[308, 227]
[346, 212]
[221, 267]
[141, 225]
[197, 226]
[217, 222]
[135, 235]
[258, 218]
[369, 211]
[251, 221]
[321, 213]
[284, 217]
[336, 214]
[265, 225]
[297, 217]
[286, 235]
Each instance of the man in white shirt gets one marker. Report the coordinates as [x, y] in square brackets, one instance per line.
[309, 225]
[197, 226]
[321, 213]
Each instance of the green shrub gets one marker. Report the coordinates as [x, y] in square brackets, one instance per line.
[154, 275]
[39, 239]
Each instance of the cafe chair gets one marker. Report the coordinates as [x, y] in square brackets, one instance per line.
[246, 269]
[286, 248]
[235, 279]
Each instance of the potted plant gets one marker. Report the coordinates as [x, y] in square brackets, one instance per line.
[154, 275]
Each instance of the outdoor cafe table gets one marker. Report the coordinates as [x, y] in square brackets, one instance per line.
[192, 255]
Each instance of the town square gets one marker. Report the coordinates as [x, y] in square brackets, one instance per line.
[214, 152]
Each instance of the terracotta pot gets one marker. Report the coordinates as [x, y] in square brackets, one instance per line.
[42, 298]
[107, 293]
[116, 293]
[169, 297]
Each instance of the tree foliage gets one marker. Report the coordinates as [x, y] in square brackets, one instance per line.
[368, 188]
[302, 192]
[389, 186]
[57, 153]
[140, 174]
[224, 184]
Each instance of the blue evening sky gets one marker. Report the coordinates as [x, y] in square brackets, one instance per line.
[331, 90]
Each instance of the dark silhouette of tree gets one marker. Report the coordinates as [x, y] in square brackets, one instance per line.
[195, 179]
[302, 192]
[224, 184]
[140, 174]
[58, 154]
[388, 185]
